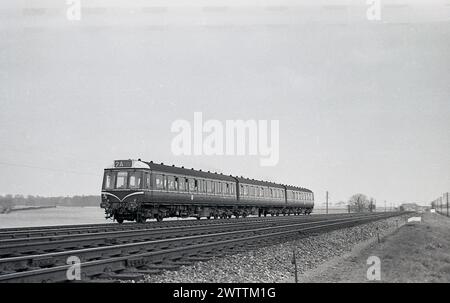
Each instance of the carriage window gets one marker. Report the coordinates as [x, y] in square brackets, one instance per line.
[109, 180]
[231, 188]
[181, 184]
[218, 188]
[176, 183]
[171, 182]
[165, 181]
[208, 186]
[192, 185]
[159, 180]
[147, 180]
[135, 180]
[121, 180]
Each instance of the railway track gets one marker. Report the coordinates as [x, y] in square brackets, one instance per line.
[52, 243]
[42, 231]
[131, 253]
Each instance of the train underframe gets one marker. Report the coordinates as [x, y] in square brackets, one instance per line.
[140, 212]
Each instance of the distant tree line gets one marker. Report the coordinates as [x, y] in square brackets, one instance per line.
[361, 203]
[9, 201]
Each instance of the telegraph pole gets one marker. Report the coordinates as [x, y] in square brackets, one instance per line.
[384, 205]
[447, 202]
[327, 202]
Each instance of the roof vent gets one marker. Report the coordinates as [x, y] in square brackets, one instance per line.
[151, 161]
[139, 159]
[182, 167]
[162, 163]
[173, 165]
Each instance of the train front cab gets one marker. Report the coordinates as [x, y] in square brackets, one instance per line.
[124, 189]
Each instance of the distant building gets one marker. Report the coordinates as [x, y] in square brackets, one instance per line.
[409, 207]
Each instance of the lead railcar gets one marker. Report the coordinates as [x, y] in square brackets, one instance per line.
[138, 190]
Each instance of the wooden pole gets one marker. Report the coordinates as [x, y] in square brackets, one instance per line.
[294, 261]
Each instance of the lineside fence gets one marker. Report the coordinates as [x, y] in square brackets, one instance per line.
[347, 210]
[441, 205]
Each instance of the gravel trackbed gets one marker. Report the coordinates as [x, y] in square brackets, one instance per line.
[273, 264]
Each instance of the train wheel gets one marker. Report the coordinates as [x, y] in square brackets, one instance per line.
[119, 220]
[159, 218]
[198, 218]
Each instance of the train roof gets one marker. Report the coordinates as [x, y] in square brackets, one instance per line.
[290, 187]
[258, 182]
[190, 172]
[161, 167]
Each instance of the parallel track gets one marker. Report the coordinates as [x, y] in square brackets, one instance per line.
[52, 243]
[43, 231]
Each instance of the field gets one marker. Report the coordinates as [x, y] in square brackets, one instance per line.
[53, 216]
[416, 252]
[61, 215]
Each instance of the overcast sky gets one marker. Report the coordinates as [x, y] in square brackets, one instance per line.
[363, 106]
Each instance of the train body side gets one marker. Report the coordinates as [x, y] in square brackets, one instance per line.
[142, 190]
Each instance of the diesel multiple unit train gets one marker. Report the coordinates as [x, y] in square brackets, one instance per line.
[136, 190]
